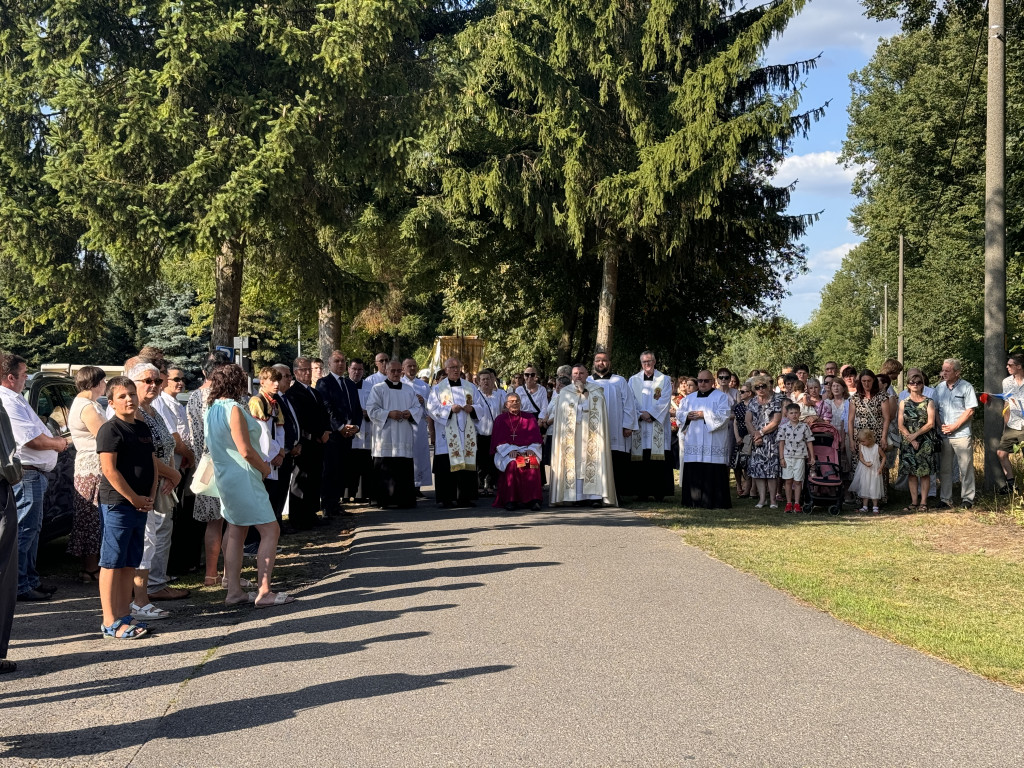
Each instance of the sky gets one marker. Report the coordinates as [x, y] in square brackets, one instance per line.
[846, 40]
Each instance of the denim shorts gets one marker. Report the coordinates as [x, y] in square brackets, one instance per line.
[124, 534]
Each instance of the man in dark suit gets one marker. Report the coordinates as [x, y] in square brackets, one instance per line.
[341, 398]
[314, 431]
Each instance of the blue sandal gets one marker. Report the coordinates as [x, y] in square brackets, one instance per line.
[133, 632]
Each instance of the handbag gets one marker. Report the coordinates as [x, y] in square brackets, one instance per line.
[204, 482]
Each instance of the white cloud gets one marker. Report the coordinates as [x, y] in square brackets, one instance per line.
[816, 172]
[830, 259]
[828, 25]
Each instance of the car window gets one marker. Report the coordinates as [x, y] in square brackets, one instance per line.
[54, 403]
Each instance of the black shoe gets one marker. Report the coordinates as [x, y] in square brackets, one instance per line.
[596, 504]
[7, 666]
[535, 507]
[250, 550]
[420, 494]
[511, 507]
[47, 590]
[33, 596]
[966, 504]
[945, 505]
[1007, 489]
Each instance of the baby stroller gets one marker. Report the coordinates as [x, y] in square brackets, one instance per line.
[824, 486]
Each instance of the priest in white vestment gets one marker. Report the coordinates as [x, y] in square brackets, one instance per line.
[621, 419]
[652, 441]
[581, 455]
[393, 408]
[453, 405]
[492, 403]
[706, 445]
[420, 430]
[359, 461]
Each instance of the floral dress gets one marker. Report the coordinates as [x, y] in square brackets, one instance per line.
[764, 458]
[867, 414]
[207, 508]
[923, 460]
[86, 529]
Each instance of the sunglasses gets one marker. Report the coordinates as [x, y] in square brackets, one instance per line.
[724, 377]
[744, 391]
[177, 378]
[705, 381]
[916, 381]
[147, 381]
[760, 386]
[530, 375]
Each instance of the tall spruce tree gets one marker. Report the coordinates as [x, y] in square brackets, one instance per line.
[639, 139]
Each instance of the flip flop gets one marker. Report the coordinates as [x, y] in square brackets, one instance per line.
[250, 597]
[281, 598]
[243, 583]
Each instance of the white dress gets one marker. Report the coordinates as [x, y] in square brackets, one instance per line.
[867, 482]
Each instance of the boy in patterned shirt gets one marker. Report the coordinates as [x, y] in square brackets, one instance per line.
[796, 451]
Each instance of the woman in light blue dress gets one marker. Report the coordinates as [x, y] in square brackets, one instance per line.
[231, 437]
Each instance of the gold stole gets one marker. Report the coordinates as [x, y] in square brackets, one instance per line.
[658, 428]
[461, 455]
[593, 445]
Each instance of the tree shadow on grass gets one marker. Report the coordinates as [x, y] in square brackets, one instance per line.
[220, 717]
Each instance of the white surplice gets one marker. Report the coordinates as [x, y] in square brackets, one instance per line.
[363, 439]
[581, 454]
[707, 440]
[488, 409]
[439, 407]
[654, 397]
[621, 409]
[421, 435]
[393, 438]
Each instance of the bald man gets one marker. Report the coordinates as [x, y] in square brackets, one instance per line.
[452, 405]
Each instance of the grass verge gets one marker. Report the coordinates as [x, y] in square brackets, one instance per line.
[946, 583]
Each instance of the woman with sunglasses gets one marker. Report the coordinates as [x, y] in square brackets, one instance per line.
[148, 381]
[764, 414]
[919, 457]
[744, 440]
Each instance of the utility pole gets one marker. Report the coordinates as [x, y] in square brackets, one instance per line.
[885, 325]
[995, 236]
[899, 317]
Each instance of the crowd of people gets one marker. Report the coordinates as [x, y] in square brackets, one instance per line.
[248, 467]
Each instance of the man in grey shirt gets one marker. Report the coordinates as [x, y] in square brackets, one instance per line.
[956, 401]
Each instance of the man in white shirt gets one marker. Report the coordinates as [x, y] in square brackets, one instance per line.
[955, 402]
[37, 450]
[380, 362]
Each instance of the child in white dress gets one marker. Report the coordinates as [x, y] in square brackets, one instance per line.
[867, 480]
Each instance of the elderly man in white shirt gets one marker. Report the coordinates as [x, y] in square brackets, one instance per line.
[37, 451]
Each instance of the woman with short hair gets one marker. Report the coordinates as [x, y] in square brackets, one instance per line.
[85, 417]
[233, 437]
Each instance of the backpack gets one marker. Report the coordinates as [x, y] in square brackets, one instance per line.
[10, 465]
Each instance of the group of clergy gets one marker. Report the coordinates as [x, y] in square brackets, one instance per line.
[606, 437]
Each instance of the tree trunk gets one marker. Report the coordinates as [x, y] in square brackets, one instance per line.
[570, 319]
[609, 293]
[396, 348]
[228, 301]
[329, 336]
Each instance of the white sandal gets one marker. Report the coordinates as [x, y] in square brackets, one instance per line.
[149, 612]
[242, 583]
[864, 510]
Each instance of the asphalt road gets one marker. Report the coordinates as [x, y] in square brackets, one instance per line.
[586, 638]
